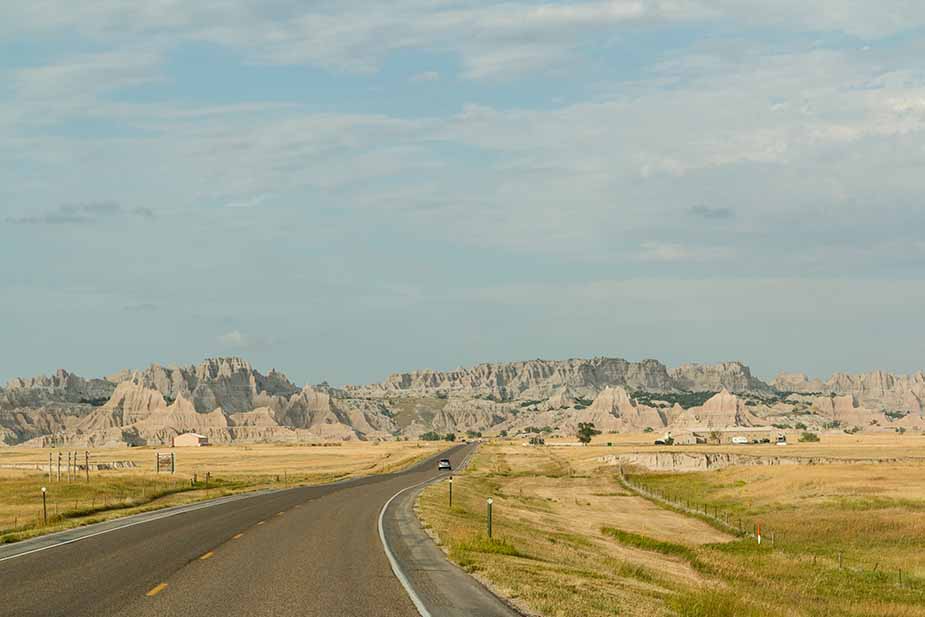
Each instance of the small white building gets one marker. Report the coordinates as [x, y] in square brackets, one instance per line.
[190, 439]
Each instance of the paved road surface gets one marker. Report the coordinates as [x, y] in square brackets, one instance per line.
[312, 551]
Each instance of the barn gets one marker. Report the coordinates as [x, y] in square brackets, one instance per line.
[190, 439]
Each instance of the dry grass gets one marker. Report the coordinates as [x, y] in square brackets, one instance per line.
[569, 541]
[232, 469]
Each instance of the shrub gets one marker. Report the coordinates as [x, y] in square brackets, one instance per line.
[586, 431]
[806, 437]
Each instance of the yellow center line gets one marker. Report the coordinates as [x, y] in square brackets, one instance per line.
[156, 590]
[236, 536]
[261, 522]
[207, 555]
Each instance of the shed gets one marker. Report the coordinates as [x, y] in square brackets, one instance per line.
[190, 439]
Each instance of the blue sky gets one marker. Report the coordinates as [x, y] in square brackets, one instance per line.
[345, 189]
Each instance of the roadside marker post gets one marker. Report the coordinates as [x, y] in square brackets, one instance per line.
[44, 506]
[87, 463]
[451, 492]
[490, 501]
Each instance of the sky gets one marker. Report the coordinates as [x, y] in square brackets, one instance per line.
[342, 190]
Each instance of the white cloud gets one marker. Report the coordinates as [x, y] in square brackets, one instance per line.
[426, 76]
[236, 340]
[669, 252]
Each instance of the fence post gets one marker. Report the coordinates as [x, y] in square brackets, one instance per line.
[490, 501]
[87, 463]
[44, 506]
[451, 492]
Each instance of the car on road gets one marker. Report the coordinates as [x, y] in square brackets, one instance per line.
[740, 440]
[444, 464]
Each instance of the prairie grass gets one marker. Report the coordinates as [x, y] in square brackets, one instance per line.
[569, 540]
[231, 469]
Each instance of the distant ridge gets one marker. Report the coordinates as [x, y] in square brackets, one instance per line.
[230, 401]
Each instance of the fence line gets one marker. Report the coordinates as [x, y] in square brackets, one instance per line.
[722, 520]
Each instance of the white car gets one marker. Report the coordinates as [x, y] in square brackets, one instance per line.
[444, 464]
[740, 440]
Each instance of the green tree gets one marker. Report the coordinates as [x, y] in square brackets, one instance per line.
[450, 437]
[809, 437]
[430, 436]
[586, 431]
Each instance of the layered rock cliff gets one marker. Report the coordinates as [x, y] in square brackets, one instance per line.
[228, 400]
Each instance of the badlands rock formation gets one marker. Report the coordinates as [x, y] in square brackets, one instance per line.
[877, 389]
[230, 401]
[731, 376]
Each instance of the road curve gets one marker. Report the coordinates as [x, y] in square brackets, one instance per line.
[312, 551]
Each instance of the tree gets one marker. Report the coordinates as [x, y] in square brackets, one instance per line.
[450, 437]
[809, 437]
[503, 433]
[430, 436]
[586, 431]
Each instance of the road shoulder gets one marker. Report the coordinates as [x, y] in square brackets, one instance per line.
[442, 589]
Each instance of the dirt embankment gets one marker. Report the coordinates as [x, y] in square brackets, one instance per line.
[701, 461]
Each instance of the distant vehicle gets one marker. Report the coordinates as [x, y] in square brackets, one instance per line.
[781, 439]
[740, 440]
[444, 464]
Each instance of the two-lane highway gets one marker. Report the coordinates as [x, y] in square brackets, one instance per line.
[311, 551]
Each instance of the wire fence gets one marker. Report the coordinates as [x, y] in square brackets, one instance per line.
[744, 528]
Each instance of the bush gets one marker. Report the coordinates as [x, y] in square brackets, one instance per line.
[586, 431]
[450, 437]
[431, 436]
[807, 437]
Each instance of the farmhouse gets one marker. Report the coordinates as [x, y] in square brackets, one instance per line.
[190, 439]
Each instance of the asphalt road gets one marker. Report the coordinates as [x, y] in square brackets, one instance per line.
[312, 551]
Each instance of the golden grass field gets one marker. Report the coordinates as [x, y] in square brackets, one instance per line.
[571, 541]
[232, 469]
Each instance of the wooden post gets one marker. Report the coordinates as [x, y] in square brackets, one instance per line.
[173, 462]
[87, 463]
[49, 465]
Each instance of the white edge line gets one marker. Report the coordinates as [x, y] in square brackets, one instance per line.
[160, 516]
[173, 512]
[396, 568]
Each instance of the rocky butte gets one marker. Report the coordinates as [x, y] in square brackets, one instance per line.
[230, 401]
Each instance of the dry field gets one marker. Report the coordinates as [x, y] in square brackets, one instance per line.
[570, 540]
[231, 469]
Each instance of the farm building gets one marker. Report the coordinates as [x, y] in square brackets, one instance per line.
[190, 439]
